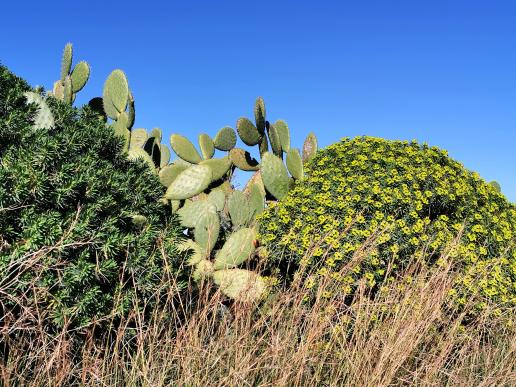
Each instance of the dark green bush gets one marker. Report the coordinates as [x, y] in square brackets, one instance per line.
[68, 246]
[413, 200]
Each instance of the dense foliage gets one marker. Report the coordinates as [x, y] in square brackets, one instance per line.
[69, 242]
[414, 200]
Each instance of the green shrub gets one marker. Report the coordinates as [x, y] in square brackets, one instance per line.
[413, 199]
[82, 228]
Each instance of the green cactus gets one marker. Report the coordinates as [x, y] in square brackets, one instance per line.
[256, 200]
[190, 182]
[191, 211]
[44, 118]
[79, 76]
[66, 61]
[165, 155]
[168, 173]
[207, 146]
[255, 180]
[263, 146]
[295, 164]
[275, 141]
[259, 115]
[240, 210]
[198, 253]
[184, 149]
[207, 228]
[248, 132]
[283, 134]
[239, 284]
[243, 160]
[238, 248]
[201, 193]
[115, 94]
[67, 90]
[274, 175]
[139, 137]
[218, 199]
[309, 147]
[203, 268]
[225, 139]
[71, 80]
[220, 167]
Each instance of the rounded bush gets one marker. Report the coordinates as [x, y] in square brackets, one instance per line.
[83, 233]
[412, 201]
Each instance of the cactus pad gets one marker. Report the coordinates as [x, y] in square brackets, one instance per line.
[274, 175]
[225, 139]
[241, 285]
[248, 132]
[204, 268]
[165, 155]
[79, 76]
[238, 248]
[218, 199]
[243, 160]
[309, 147]
[219, 167]
[295, 164]
[207, 228]
[283, 134]
[168, 174]
[256, 179]
[67, 90]
[115, 94]
[139, 137]
[259, 115]
[184, 148]
[44, 119]
[66, 61]
[274, 138]
[206, 145]
[192, 181]
[239, 209]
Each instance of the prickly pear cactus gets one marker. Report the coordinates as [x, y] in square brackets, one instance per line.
[221, 221]
[72, 80]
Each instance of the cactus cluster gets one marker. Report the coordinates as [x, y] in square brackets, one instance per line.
[72, 80]
[221, 219]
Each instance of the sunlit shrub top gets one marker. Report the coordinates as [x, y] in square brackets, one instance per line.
[413, 199]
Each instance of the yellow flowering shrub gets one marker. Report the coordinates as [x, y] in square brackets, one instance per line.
[407, 202]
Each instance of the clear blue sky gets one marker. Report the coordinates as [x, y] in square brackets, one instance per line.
[443, 72]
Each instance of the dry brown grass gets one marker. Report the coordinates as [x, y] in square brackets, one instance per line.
[403, 336]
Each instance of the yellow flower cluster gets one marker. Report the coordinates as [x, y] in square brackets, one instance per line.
[412, 200]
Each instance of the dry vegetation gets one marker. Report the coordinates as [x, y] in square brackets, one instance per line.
[405, 335]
